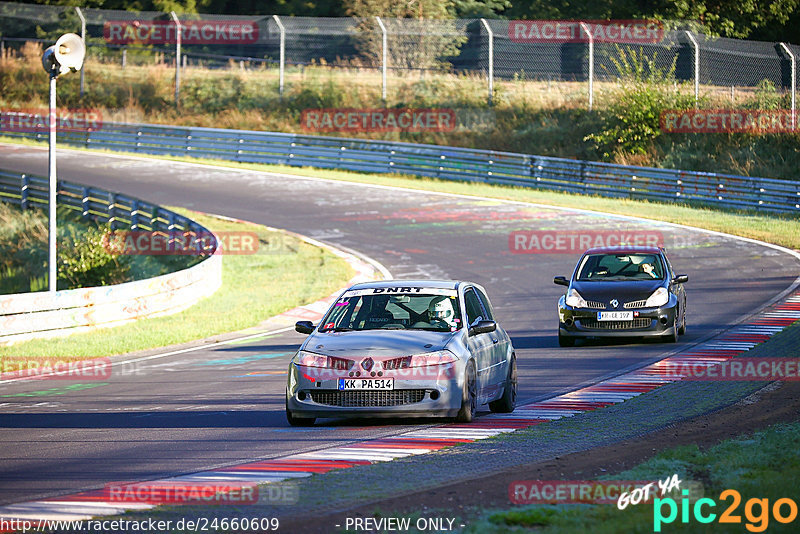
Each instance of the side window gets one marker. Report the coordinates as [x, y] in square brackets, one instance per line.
[475, 312]
[487, 307]
[670, 270]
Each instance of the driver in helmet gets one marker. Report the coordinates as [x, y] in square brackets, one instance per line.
[440, 312]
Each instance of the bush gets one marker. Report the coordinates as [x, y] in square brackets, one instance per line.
[766, 97]
[85, 261]
[632, 121]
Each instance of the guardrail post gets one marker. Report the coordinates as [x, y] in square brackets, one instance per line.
[112, 202]
[85, 202]
[383, 58]
[83, 38]
[282, 53]
[585, 28]
[794, 84]
[491, 59]
[171, 230]
[178, 31]
[696, 47]
[134, 215]
[124, 57]
[23, 200]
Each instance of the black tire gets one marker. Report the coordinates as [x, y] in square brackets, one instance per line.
[673, 337]
[682, 329]
[508, 401]
[299, 421]
[469, 401]
[565, 341]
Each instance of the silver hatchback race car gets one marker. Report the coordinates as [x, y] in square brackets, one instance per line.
[403, 349]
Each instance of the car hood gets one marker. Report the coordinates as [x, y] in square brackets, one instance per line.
[623, 291]
[377, 342]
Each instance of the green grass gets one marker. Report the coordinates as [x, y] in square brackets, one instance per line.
[285, 273]
[780, 230]
[764, 465]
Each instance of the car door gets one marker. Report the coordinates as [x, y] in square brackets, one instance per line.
[480, 345]
[500, 343]
[676, 289]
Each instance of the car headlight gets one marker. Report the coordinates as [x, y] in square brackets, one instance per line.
[311, 359]
[425, 359]
[575, 299]
[432, 358]
[659, 297]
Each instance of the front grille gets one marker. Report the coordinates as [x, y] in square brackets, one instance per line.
[640, 322]
[596, 305]
[635, 304]
[359, 399]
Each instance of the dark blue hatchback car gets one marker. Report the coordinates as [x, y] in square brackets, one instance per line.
[624, 291]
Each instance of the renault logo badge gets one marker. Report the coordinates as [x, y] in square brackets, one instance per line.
[614, 303]
[367, 364]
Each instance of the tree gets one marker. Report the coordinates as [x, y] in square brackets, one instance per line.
[726, 18]
[419, 32]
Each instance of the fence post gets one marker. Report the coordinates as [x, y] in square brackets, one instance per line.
[491, 59]
[178, 31]
[83, 38]
[383, 59]
[696, 66]
[585, 28]
[282, 53]
[794, 83]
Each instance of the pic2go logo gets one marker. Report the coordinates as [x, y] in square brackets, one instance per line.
[756, 511]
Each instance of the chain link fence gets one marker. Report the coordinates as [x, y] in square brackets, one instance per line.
[494, 50]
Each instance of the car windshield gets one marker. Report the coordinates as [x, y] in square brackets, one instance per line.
[610, 267]
[428, 309]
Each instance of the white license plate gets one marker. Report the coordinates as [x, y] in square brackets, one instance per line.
[347, 384]
[615, 316]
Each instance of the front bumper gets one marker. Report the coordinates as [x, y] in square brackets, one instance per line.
[647, 322]
[417, 393]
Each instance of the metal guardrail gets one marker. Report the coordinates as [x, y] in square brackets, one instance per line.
[449, 163]
[26, 316]
[119, 211]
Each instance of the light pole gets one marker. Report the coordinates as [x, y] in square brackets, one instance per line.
[64, 56]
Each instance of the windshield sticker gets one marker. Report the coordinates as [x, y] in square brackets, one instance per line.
[401, 291]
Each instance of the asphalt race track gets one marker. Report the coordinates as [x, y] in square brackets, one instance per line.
[224, 404]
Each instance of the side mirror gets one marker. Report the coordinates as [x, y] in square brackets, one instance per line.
[304, 327]
[561, 281]
[483, 327]
[680, 279]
